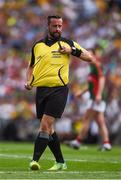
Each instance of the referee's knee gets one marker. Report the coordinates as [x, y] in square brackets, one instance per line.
[45, 128]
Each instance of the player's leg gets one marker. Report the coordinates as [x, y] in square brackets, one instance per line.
[84, 130]
[103, 131]
[56, 105]
[42, 140]
[46, 122]
[54, 145]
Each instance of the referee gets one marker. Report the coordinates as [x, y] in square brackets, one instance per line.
[48, 71]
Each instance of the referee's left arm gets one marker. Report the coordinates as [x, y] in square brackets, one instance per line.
[87, 56]
[82, 53]
[79, 52]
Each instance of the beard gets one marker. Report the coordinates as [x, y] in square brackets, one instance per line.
[55, 35]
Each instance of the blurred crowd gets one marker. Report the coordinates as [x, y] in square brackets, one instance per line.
[92, 23]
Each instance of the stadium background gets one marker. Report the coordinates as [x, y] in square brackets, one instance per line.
[89, 22]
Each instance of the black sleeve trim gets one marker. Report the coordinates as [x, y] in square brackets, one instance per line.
[32, 52]
[32, 57]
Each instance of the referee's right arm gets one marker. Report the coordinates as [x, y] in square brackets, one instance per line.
[29, 72]
[29, 78]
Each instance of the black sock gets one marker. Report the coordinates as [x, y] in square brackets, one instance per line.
[54, 145]
[41, 143]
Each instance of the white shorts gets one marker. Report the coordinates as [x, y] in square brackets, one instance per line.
[100, 107]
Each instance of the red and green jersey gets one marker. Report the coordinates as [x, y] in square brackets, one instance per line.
[93, 79]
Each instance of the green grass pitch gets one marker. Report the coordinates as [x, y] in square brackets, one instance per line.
[86, 163]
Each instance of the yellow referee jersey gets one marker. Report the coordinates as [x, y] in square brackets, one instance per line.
[50, 67]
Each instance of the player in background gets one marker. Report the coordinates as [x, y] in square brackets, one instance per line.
[96, 105]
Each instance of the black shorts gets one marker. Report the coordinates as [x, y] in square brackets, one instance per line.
[51, 101]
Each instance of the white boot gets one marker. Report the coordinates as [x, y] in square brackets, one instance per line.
[106, 147]
[74, 144]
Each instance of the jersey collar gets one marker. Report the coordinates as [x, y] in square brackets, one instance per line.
[50, 42]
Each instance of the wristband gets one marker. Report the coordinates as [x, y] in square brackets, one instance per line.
[76, 52]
